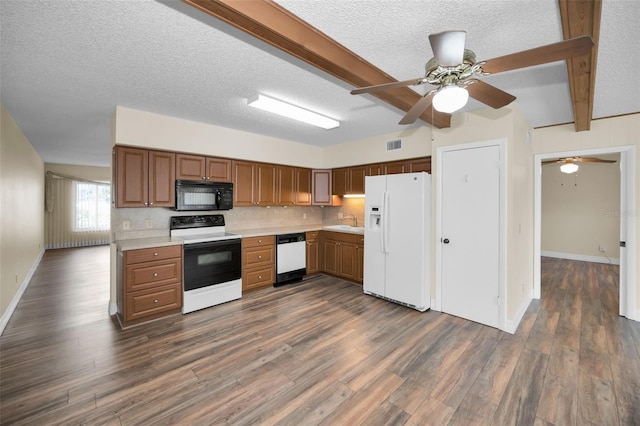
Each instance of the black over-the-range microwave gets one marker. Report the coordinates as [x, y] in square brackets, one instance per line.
[202, 195]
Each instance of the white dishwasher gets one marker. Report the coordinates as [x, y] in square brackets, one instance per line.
[291, 258]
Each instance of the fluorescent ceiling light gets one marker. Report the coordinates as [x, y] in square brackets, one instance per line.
[291, 111]
[450, 98]
[354, 196]
[569, 168]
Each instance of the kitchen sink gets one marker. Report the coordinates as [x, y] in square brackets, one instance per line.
[344, 228]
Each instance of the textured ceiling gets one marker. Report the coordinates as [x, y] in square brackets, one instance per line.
[66, 65]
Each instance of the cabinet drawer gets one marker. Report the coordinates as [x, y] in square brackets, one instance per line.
[259, 241]
[312, 235]
[144, 303]
[260, 277]
[150, 254]
[153, 274]
[258, 256]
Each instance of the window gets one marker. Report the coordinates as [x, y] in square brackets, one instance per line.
[92, 207]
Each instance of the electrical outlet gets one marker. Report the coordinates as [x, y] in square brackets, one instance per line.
[304, 215]
[126, 224]
[602, 248]
[149, 224]
[340, 217]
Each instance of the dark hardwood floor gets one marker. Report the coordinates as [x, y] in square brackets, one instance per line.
[319, 352]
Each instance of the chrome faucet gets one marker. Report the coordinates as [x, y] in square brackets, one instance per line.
[351, 216]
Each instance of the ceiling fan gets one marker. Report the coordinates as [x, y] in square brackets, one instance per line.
[453, 70]
[568, 164]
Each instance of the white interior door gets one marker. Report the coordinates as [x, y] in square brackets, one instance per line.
[471, 234]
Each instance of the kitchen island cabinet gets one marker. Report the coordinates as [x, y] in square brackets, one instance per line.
[144, 178]
[258, 262]
[149, 284]
[197, 167]
[342, 255]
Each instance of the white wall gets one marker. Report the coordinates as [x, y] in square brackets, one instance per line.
[578, 211]
[156, 131]
[21, 213]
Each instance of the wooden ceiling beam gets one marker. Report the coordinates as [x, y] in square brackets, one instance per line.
[582, 17]
[278, 27]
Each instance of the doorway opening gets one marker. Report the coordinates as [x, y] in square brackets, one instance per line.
[626, 232]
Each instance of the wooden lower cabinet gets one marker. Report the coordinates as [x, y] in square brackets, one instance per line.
[149, 284]
[342, 255]
[258, 262]
[313, 253]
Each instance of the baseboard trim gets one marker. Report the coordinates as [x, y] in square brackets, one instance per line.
[113, 309]
[511, 326]
[6, 316]
[580, 257]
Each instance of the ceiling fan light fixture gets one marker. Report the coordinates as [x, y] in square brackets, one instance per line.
[569, 168]
[288, 110]
[450, 98]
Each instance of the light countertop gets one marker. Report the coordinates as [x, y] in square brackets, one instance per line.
[142, 243]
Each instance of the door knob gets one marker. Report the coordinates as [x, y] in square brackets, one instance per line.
[446, 241]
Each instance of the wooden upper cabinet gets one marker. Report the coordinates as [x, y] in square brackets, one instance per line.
[356, 179]
[340, 181]
[286, 188]
[190, 167]
[265, 184]
[419, 165]
[349, 180]
[374, 170]
[144, 178]
[132, 177]
[254, 184]
[293, 186]
[197, 167]
[303, 186]
[395, 167]
[162, 179]
[218, 169]
[242, 174]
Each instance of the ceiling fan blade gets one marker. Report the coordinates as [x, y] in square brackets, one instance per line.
[394, 85]
[593, 160]
[552, 162]
[448, 47]
[489, 95]
[540, 55]
[417, 110]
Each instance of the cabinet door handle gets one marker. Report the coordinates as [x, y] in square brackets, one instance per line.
[155, 301]
[155, 254]
[150, 204]
[259, 277]
[259, 257]
[259, 241]
[155, 274]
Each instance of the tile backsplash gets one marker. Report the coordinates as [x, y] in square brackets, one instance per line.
[154, 222]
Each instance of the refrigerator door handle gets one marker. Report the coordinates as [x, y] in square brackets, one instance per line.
[382, 214]
[385, 222]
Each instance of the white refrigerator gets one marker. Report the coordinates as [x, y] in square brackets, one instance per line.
[397, 243]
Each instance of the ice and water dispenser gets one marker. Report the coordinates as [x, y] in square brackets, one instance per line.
[375, 218]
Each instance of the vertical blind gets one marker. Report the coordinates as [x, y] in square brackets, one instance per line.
[77, 212]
